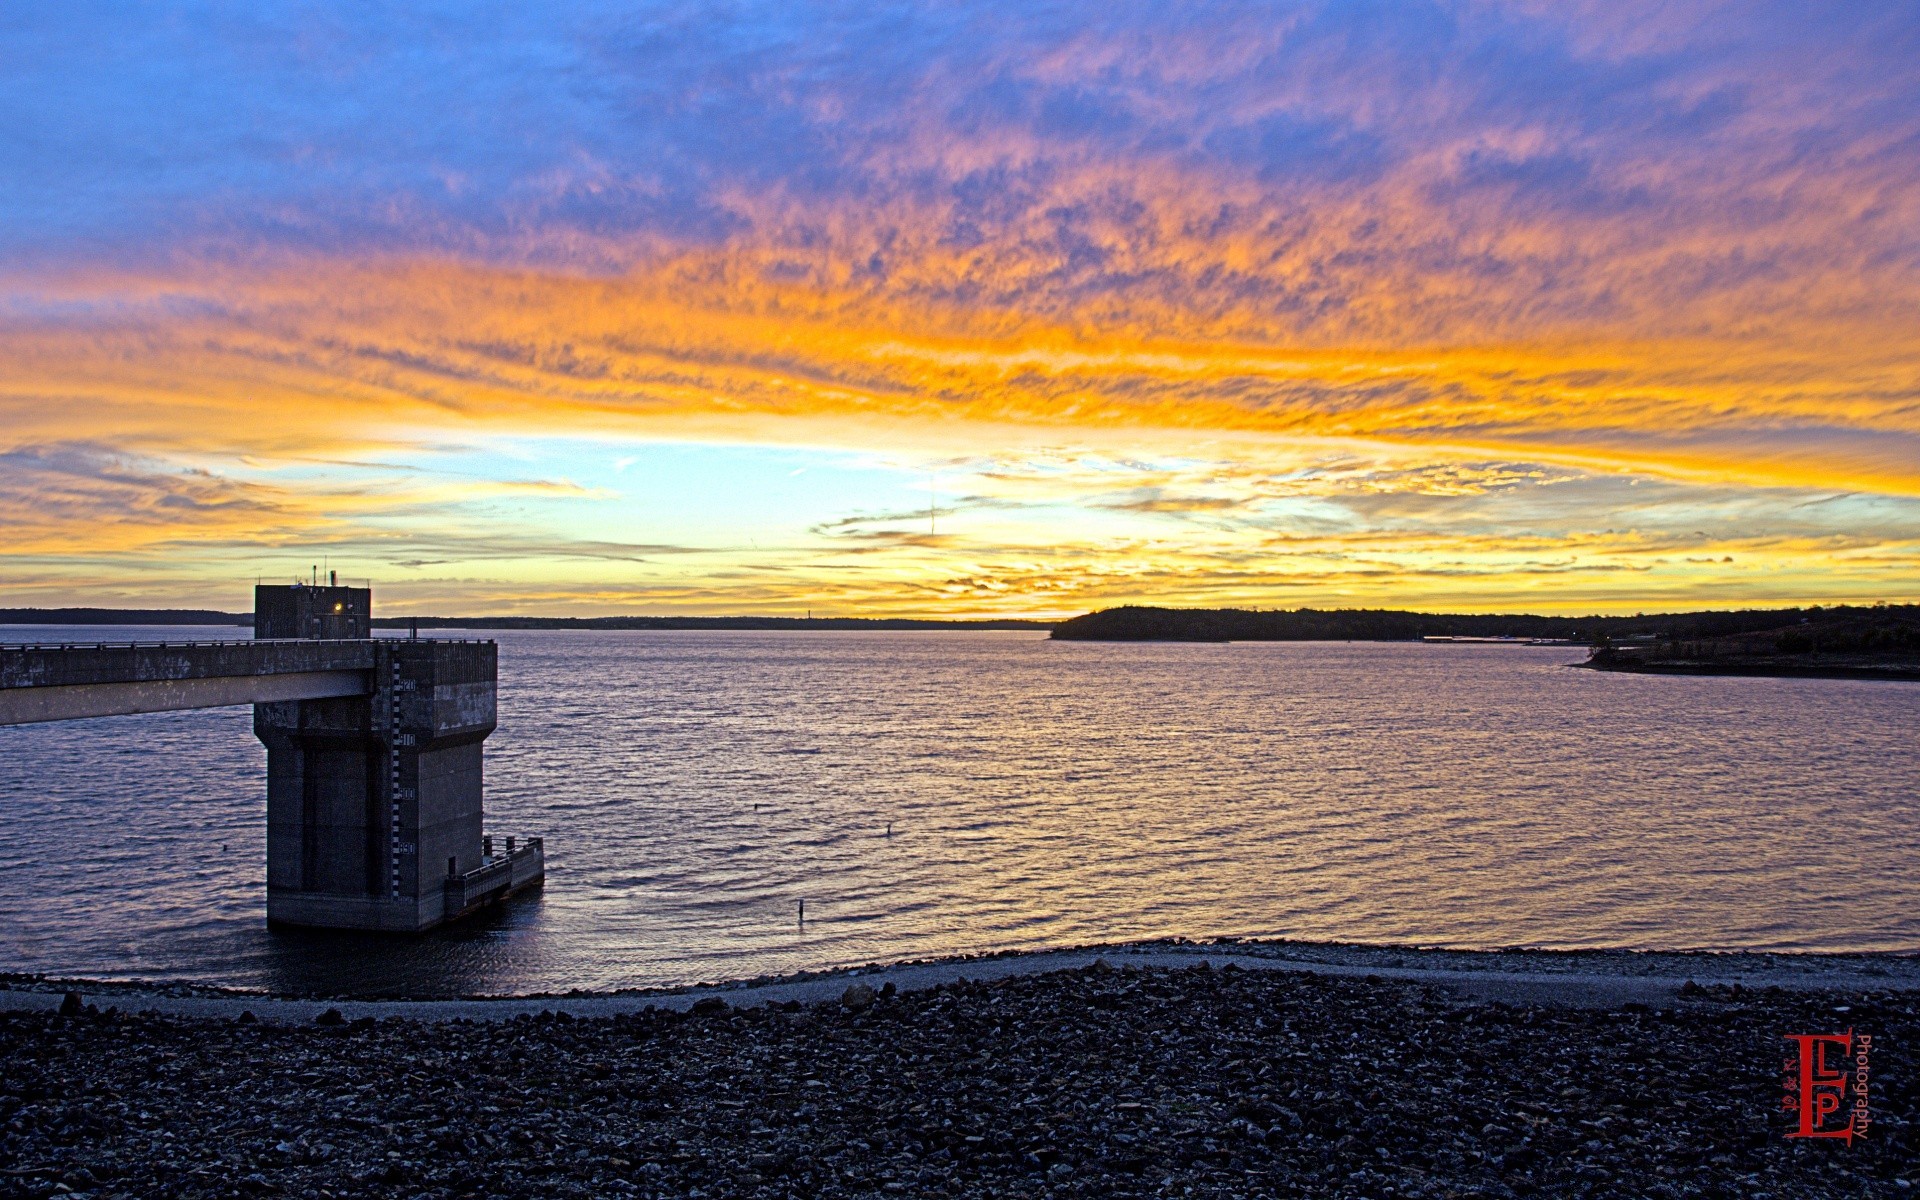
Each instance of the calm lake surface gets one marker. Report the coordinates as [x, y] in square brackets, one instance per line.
[693, 787]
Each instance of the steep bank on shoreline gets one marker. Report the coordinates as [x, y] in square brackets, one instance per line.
[1096, 1082]
[1839, 643]
[1775, 668]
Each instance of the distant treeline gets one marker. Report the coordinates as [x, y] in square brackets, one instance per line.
[1850, 626]
[1389, 625]
[698, 623]
[200, 616]
[121, 616]
[1880, 635]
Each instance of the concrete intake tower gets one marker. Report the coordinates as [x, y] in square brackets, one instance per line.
[374, 768]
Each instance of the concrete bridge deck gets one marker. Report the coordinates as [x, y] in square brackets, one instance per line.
[63, 681]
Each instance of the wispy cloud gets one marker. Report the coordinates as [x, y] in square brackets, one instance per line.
[1434, 272]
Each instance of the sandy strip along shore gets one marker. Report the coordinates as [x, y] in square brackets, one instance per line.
[1556, 978]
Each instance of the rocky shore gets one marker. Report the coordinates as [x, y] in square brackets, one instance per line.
[1102, 1081]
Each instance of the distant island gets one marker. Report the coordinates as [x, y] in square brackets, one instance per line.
[1846, 641]
[1132, 624]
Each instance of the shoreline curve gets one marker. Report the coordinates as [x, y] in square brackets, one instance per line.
[1549, 978]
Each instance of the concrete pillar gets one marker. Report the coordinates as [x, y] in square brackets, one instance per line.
[325, 829]
[370, 799]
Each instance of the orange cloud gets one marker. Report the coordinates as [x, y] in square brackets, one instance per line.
[322, 358]
[1332, 302]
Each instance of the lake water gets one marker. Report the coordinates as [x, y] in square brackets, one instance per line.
[693, 787]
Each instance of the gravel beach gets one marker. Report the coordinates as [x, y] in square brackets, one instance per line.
[1097, 1081]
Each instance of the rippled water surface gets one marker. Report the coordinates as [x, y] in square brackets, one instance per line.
[693, 787]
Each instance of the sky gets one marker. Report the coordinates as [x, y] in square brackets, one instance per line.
[962, 309]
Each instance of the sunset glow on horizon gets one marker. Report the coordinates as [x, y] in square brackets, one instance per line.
[963, 310]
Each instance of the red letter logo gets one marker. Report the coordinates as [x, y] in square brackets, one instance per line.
[1821, 1095]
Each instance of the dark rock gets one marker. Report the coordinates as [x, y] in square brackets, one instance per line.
[71, 1005]
[330, 1018]
[857, 998]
